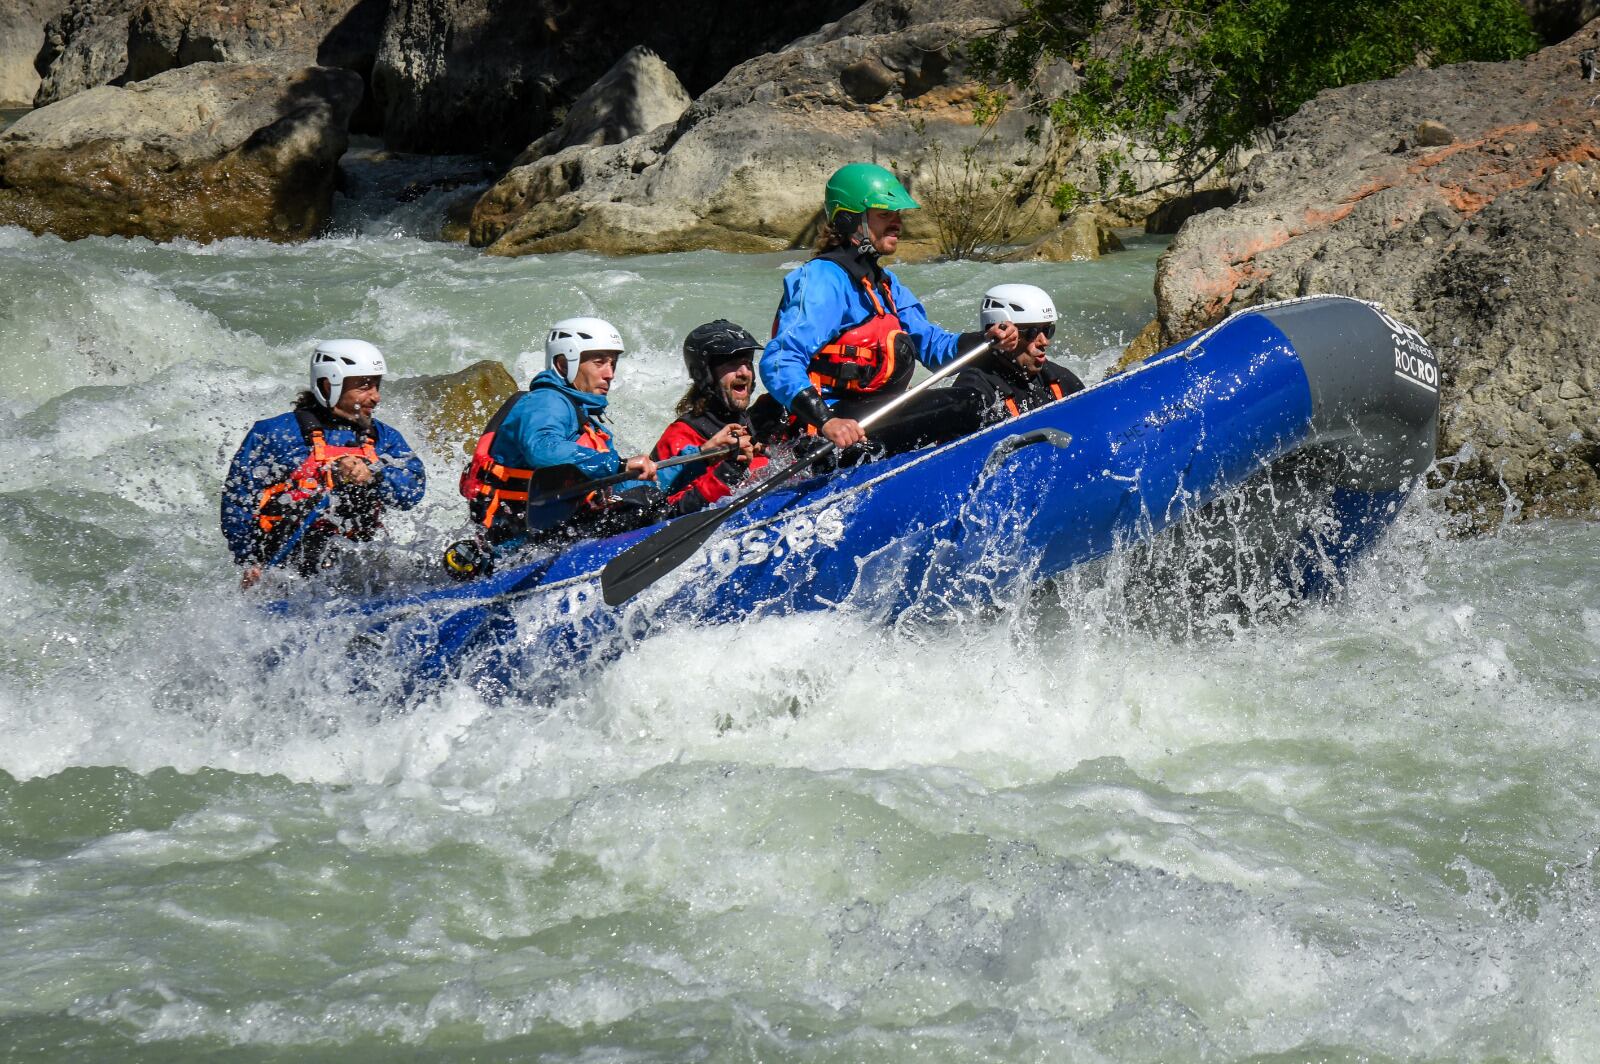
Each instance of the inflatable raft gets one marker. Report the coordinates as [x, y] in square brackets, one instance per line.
[1331, 388]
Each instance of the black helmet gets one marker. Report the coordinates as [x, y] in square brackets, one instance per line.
[711, 344]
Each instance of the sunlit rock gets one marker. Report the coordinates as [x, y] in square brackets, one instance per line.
[204, 152]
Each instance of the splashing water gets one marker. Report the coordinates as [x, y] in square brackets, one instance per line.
[1139, 815]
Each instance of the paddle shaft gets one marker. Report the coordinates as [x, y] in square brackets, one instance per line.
[648, 560]
[616, 478]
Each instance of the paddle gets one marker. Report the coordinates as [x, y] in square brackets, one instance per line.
[650, 559]
[579, 490]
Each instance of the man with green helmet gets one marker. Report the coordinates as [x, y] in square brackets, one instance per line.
[848, 334]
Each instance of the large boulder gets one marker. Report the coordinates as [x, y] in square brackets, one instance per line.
[22, 24]
[743, 168]
[204, 152]
[116, 42]
[1466, 199]
[453, 408]
[85, 46]
[637, 95]
[493, 75]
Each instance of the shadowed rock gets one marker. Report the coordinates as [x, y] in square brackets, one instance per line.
[116, 42]
[637, 95]
[743, 168]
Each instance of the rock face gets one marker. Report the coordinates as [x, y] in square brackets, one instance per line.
[85, 46]
[637, 95]
[743, 168]
[204, 152]
[115, 42]
[474, 75]
[1466, 200]
[22, 24]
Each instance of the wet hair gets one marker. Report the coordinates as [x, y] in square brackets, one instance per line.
[693, 403]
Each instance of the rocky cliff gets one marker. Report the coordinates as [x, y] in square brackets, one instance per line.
[1466, 199]
[744, 166]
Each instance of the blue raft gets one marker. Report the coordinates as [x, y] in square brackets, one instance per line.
[1330, 388]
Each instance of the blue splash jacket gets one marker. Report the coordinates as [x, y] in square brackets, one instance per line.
[820, 300]
[274, 448]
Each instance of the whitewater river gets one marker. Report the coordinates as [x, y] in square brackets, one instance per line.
[1073, 830]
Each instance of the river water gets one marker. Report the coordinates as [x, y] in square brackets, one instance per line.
[1363, 831]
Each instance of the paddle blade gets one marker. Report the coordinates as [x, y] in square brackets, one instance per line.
[652, 558]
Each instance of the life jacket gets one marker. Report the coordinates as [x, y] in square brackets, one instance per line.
[871, 356]
[313, 477]
[1056, 392]
[489, 486]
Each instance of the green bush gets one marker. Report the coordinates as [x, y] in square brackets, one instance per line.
[1191, 81]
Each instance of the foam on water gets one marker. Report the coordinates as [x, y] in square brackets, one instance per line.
[1138, 815]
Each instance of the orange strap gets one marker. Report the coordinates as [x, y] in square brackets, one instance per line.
[1011, 404]
[313, 475]
[504, 484]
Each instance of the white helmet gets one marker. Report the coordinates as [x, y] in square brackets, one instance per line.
[334, 360]
[1020, 303]
[574, 336]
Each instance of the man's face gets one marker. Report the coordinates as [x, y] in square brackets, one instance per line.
[1035, 342]
[735, 380]
[358, 398]
[884, 227]
[595, 370]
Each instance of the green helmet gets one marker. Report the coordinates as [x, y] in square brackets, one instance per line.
[855, 187]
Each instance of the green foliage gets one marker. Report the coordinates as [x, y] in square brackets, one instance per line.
[1193, 80]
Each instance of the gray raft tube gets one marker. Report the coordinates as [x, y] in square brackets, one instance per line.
[1374, 389]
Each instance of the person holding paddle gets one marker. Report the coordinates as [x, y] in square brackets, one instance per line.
[551, 439]
[848, 334]
[712, 415]
[325, 470]
[1026, 379]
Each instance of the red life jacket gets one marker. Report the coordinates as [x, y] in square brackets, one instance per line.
[488, 486]
[312, 477]
[694, 431]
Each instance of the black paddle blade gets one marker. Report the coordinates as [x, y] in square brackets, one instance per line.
[650, 559]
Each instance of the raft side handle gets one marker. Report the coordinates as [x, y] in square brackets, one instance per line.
[1012, 444]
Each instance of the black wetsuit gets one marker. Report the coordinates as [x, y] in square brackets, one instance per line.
[998, 381]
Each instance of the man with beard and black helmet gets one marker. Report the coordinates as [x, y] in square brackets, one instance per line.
[848, 334]
[551, 438]
[325, 470]
[1025, 379]
[713, 413]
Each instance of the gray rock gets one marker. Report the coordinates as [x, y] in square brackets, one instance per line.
[22, 24]
[639, 94]
[1078, 239]
[85, 46]
[208, 151]
[743, 168]
[1494, 255]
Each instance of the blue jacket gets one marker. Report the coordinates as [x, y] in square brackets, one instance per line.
[274, 448]
[819, 302]
[541, 432]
